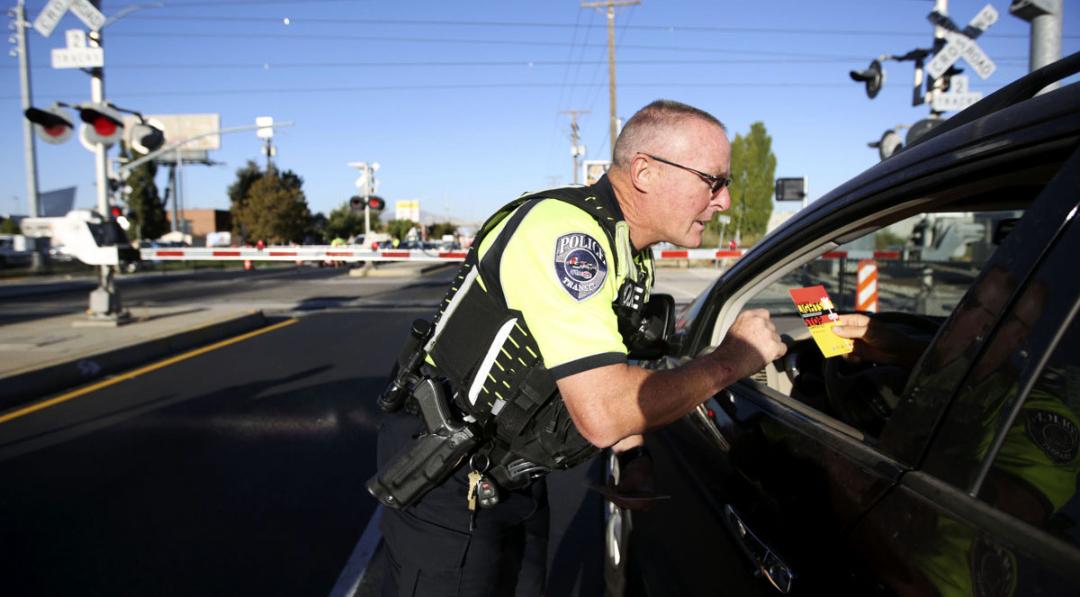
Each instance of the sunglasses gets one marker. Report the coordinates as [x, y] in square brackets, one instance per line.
[715, 182]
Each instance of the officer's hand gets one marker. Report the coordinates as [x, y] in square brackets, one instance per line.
[751, 343]
[636, 479]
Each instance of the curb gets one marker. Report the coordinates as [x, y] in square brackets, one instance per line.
[28, 386]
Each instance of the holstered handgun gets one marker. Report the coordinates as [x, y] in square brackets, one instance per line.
[431, 458]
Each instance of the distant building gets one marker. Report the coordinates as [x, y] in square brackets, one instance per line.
[200, 222]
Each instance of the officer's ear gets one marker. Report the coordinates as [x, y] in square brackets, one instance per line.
[643, 172]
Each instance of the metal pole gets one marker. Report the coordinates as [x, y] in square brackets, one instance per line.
[367, 208]
[29, 142]
[104, 301]
[27, 101]
[1045, 17]
[942, 7]
[180, 191]
[611, 73]
[172, 187]
[1046, 37]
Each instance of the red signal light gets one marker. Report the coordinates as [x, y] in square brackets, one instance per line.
[104, 126]
[56, 130]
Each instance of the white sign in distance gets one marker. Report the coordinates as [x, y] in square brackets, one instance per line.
[949, 102]
[49, 16]
[266, 127]
[723, 219]
[88, 14]
[78, 57]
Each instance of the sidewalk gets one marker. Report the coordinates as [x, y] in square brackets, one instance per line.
[44, 356]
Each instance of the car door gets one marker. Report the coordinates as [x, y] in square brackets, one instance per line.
[789, 480]
[992, 507]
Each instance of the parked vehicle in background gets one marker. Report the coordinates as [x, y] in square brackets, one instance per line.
[13, 251]
[952, 472]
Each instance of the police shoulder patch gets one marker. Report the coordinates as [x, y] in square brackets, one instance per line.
[580, 264]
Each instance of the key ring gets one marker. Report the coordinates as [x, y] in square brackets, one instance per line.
[479, 462]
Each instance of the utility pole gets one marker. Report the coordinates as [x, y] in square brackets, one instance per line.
[610, 5]
[1045, 17]
[29, 142]
[576, 148]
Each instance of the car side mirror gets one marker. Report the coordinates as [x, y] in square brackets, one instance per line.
[657, 331]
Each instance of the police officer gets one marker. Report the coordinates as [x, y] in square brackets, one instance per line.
[532, 340]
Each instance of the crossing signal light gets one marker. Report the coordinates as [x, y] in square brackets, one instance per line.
[53, 124]
[874, 77]
[356, 202]
[118, 215]
[103, 125]
[146, 138]
[376, 203]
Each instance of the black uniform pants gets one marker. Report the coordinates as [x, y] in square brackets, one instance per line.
[431, 550]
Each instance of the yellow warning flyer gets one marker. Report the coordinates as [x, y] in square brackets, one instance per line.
[819, 315]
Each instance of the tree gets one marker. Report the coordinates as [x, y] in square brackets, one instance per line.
[753, 168]
[343, 222]
[8, 226]
[399, 229]
[275, 209]
[238, 192]
[145, 202]
[438, 229]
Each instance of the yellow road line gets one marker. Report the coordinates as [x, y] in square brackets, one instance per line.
[137, 372]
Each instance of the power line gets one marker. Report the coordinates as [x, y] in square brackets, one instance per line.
[300, 20]
[449, 86]
[442, 64]
[514, 42]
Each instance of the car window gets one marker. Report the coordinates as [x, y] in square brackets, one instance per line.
[1034, 473]
[924, 263]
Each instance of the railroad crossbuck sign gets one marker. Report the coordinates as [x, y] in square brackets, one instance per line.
[52, 13]
[962, 44]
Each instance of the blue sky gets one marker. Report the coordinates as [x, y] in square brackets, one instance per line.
[461, 102]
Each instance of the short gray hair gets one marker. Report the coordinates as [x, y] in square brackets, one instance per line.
[650, 121]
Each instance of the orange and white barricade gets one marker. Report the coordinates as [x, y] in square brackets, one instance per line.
[866, 291]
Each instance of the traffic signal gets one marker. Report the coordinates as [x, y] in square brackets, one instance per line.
[889, 144]
[118, 215]
[146, 138]
[53, 124]
[356, 202]
[104, 125]
[874, 77]
[376, 203]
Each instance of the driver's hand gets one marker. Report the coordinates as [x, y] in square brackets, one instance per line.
[876, 342]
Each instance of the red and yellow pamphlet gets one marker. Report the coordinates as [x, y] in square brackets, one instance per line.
[819, 315]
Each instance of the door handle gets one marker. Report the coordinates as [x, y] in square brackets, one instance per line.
[768, 563]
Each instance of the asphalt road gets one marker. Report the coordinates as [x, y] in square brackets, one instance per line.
[240, 470]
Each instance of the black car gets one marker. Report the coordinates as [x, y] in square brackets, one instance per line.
[954, 473]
